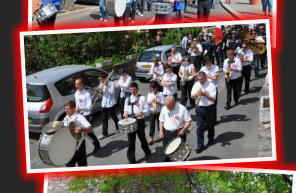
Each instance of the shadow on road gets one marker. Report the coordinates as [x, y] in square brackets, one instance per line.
[157, 156]
[233, 117]
[248, 100]
[227, 137]
[110, 148]
[203, 158]
[95, 16]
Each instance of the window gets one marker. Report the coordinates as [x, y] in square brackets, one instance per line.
[37, 93]
[91, 78]
[66, 86]
[148, 56]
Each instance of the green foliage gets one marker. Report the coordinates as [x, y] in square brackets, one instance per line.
[77, 185]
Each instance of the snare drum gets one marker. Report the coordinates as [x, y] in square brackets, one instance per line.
[161, 8]
[115, 8]
[45, 12]
[128, 125]
[57, 148]
[177, 150]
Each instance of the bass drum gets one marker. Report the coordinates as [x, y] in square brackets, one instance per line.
[115, 8]
[57, 148]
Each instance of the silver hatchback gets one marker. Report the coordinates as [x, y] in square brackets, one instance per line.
[48, 90]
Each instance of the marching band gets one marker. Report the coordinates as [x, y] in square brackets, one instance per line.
[199, 85]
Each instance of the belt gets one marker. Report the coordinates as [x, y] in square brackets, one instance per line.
[173, 130]
[204, 107]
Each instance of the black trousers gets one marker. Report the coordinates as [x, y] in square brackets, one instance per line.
[176, 71]
[121, 105]
[153, 118]
[140, 4]
[215, 105]
[246, 74]
[79, 157]
[196, 61]
[134, 10]
[186, 93]
[105, 113]
[232, 86]
[203, 10]
[127, 13]
[132, 141]
[93, 137]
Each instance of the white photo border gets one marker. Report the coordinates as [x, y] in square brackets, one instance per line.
[146, 165]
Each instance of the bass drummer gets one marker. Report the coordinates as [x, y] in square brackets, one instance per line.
[82, 125]
[136, 105]
[174, 120]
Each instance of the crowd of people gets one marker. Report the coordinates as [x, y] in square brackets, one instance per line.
[197, 78]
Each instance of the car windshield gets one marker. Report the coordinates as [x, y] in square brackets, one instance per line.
[37, 93]
[148, 56]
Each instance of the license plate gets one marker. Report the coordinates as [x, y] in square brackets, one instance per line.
[146, 66]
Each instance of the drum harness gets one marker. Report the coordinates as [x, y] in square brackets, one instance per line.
[132, 104]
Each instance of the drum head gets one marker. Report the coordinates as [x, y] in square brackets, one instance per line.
[62, 147]
[173, 146]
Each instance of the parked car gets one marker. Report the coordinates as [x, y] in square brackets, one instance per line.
[48, 90]
[145, 59]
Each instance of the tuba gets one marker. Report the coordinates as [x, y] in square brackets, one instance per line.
[255, 47]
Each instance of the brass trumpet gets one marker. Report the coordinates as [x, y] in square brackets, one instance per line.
[195, 49]
[198, 98]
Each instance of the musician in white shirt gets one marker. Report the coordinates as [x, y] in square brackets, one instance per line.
[246, 57]
[195, 52]
[212, 72]
[168, 82]
[186, 70]
[175, 61]
[108, 104]
[136, 105]
[234, 67]
[83, 106]
[174, 121]
[155, 100]
[82, 126]
[124, 83]
[204, 93]
[156, 69]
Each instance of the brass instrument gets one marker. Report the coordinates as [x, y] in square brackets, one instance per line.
[255, 47]
[227, 73]
[154, 105]
[183, 78]
[100, 90]
[198, 98]
[195, 49]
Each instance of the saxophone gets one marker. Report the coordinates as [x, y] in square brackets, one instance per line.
[227, 73]
[195, 49]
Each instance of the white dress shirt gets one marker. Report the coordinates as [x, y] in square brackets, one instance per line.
[206, 87]
[158, 69]
[172, 79]
[124, 83]
[178, 115]
[236, 65]
[108, 98]
[199, 49]
[186, 70]
[159, 98]
[247, 54]
[177, 57]
[213, 70]
[141, 105]
[79, 120]
[83, 101]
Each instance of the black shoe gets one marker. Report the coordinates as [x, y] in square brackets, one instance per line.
[199, 150]
[227, 107]
[211, 142]
[147, 156]
[236, 103]
[131, 162]
[97, 148]
[167, 159]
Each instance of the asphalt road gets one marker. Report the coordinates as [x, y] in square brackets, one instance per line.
[236, 133]
[89, 16]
